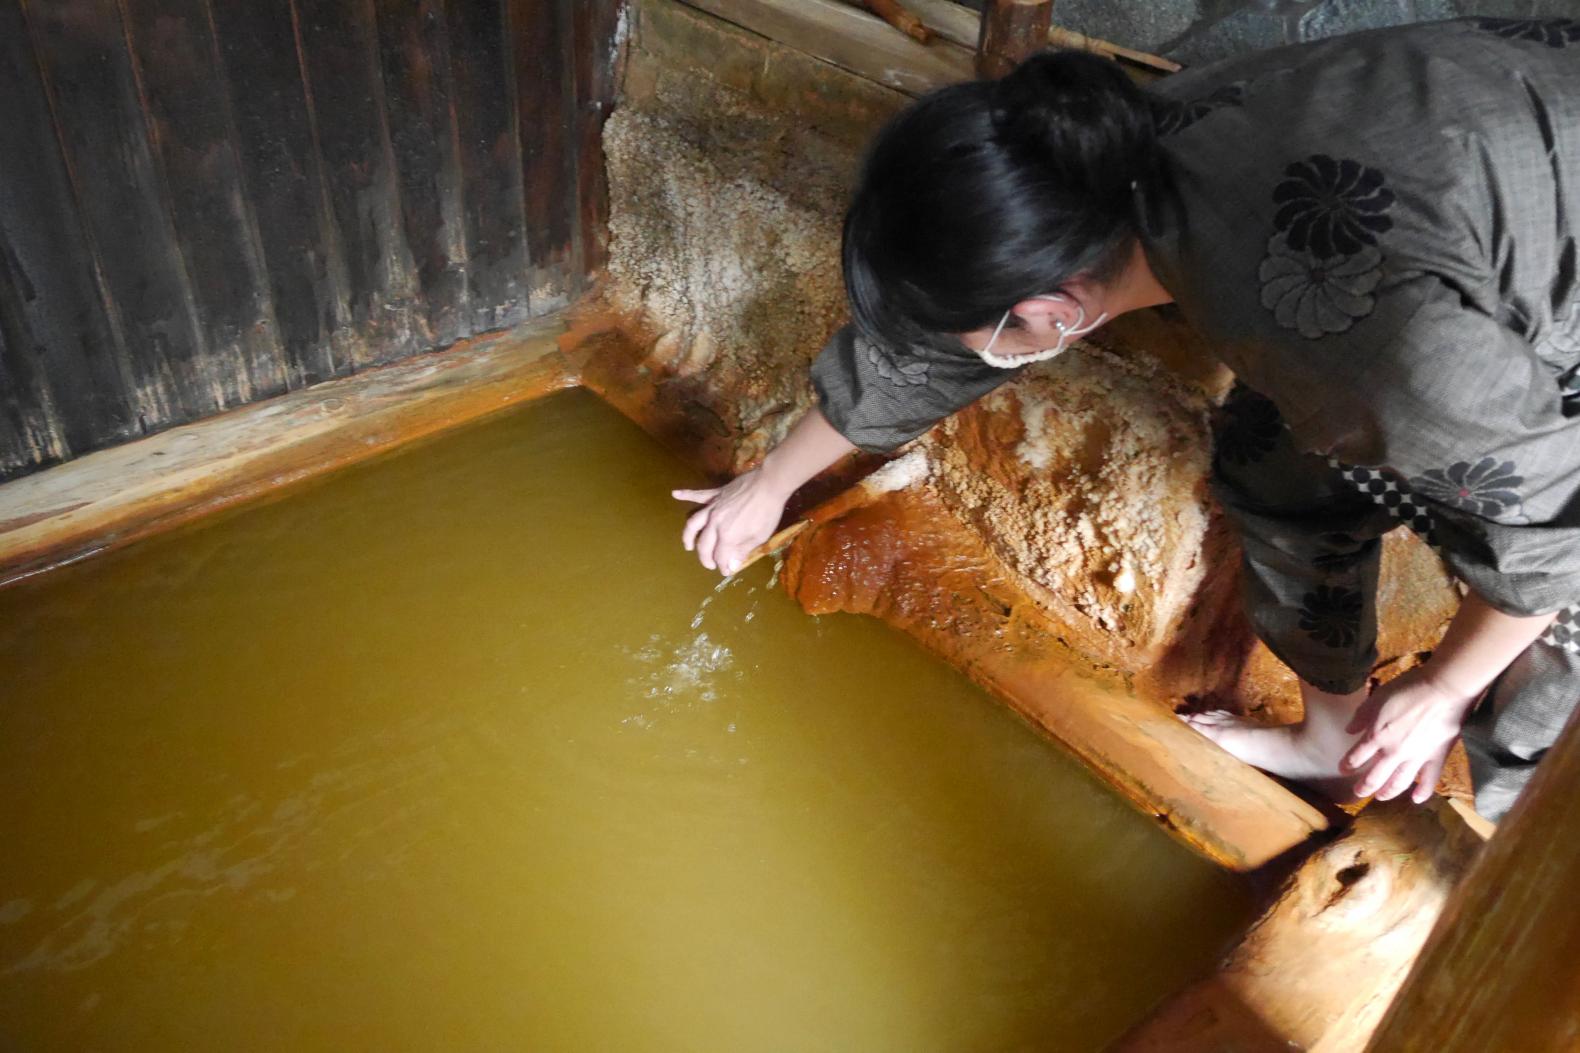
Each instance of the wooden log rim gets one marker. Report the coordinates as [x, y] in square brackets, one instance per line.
[107, 500]
[839, 33]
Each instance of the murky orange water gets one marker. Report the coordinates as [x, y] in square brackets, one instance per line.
[430, 756]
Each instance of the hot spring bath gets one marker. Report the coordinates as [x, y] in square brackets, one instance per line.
[459, 749]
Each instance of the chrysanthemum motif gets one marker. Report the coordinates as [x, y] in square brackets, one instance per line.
[1554, 32]
[1170, 116]
[1315, 295]
[1487, 488]
[1331, 207]
[891, 368]
[1332, 614]
[1250, 430]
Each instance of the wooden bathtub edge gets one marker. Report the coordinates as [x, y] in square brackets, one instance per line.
[110, 498]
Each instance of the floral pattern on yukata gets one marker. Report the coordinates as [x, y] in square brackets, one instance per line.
[1323, 263]
[1316, 295]
[889, 367]
[1170, 116]
[1251, 429]
[1488, 488]
[1554, 32]
[1332, 207]
[1331, 614]
[1385, 489]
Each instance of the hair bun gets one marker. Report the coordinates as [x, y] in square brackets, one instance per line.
[1078, 114]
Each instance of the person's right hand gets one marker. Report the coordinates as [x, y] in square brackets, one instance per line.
[734, 519]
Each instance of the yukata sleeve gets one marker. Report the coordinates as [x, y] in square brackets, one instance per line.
[1310, 546]
[1460, 414]
[881, 397]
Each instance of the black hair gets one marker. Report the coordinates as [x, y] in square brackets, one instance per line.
[982, 194]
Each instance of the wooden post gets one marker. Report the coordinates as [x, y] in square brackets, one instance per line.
[1011, 31]
[1317, 970]
[1501, 970]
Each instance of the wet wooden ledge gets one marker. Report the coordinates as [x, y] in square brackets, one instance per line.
[902, 558]
[108, 499]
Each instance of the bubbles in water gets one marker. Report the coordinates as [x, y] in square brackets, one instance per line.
[688, 673]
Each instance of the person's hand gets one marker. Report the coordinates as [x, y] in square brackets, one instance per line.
[1409, 724]
[734, 519]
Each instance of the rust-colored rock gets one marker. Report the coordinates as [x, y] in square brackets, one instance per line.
[906, 559]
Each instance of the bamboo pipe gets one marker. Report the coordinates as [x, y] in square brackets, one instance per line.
[886, 479]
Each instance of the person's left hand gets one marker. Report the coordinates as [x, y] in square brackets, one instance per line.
[1409, 724]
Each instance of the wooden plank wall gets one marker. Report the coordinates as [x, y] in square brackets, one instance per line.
[208, 202]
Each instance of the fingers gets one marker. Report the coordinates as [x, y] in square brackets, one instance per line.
[1391, 726]
[1366, 751]
[707, 542]
[694, 524]
[695, 495]
[1398, 782]
[1431, 772]
[732, 556]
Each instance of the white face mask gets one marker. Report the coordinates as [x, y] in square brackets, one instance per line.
[1065, 333]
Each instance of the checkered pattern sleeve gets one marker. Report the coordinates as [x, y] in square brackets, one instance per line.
[1465, 430]
[880, 397]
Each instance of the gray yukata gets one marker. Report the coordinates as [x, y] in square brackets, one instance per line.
[1378, 234]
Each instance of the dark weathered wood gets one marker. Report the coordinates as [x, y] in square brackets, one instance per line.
[81, 46]
[485, 110]
[51, 311]
[280, 165]
[207, 202]
[1011, 30]
[415, 56]
[961, 25]
[850, 39]
[538, 32]
[141, 488]
[596, 49]
[340, 51]
[188, 114]
[28, 436]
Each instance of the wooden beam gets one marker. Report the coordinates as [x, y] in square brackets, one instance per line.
[1501, 970]
[961, 25]
[111, 498]
[851, 39]
[1012, 30]
[1317, 969]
